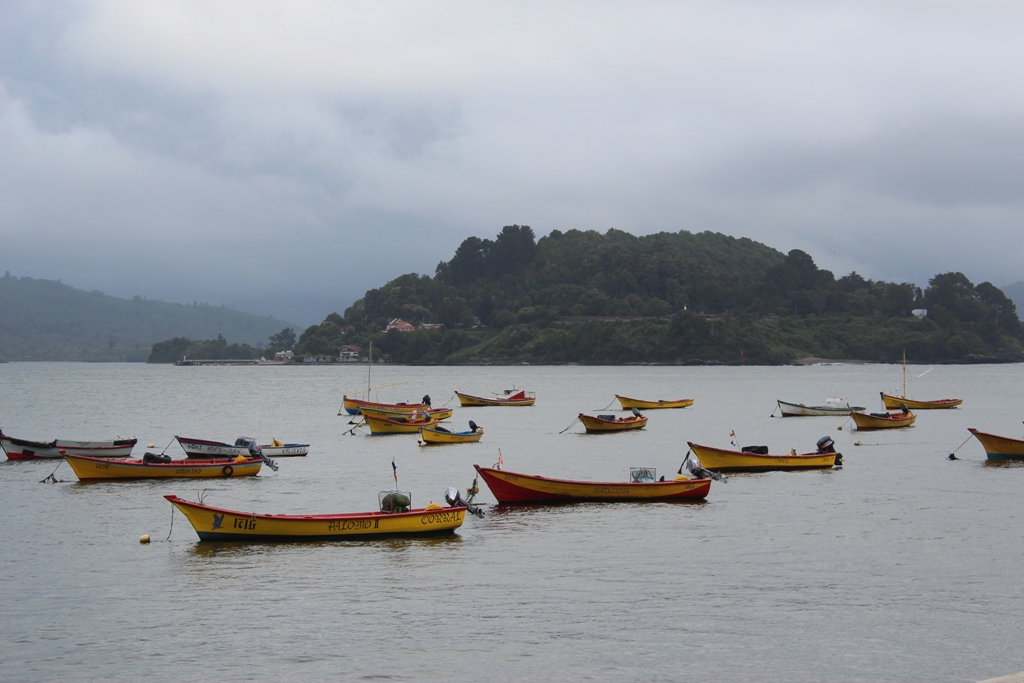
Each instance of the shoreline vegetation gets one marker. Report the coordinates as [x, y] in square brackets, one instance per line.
[590, 298]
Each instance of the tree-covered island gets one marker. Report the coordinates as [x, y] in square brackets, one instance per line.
[691, 298]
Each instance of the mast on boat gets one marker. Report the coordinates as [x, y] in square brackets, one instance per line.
[905, 373]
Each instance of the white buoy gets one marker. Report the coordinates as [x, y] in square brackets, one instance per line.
[150, 446]
[144, 538]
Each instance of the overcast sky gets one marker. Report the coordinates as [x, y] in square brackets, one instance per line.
[284, 157]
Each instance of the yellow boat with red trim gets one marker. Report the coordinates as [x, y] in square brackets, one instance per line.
[511, 397]
[640, 404]
[219, 524]
[889, 420]
[601, 424]
[896, 402]
[89, 468]
[724, 460]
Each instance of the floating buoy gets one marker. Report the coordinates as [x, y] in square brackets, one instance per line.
[856, 443]
[952, 456]
[150, 446]
[144, 538]
[840, 427]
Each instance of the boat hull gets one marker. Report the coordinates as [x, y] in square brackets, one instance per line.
[597, 425]
[218, 524]
[95, 469]
[639, 404]
[893, 403]
[800, 410]
[722, 460]
[354, 405]
[432, 436]
[867, 421]
[469, 401]
[436, 413]
[21, 449]
[526, 489]
[386, 425]
[999, 447]
[201, 448]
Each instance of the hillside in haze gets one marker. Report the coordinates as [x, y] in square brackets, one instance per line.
[47, 320]
[613, 297]
[1016, 294]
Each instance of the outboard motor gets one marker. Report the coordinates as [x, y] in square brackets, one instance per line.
[636, 412]
[903, 408]
[256, 452]
[692, 465]
[826, 445]
[473, 427]
[426, 400]
[454, 499]
[149, 458]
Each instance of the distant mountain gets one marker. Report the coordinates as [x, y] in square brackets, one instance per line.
[1016, 294]
[47, 320]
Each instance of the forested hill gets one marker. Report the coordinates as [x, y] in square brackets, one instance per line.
[679, 297]
[47, 320]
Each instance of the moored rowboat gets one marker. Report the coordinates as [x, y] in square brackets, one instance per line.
[436, 413]
[353, 406]
[723, 460]
[511, 397]
[201, 448]
[999, 447]
[892, 420]
[21, 449]
[514, 487]
[831, 408]
[88, 468]
[219, 524]
[599, 424]
[388, 425]
[439, 435]
[895, 402]
[641, 404]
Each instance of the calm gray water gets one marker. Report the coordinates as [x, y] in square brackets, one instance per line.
[903, 566]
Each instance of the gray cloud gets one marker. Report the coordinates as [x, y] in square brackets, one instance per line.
[284, 157]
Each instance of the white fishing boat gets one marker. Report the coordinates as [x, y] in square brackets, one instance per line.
[22, 449]
[201, 448]
[832, 406]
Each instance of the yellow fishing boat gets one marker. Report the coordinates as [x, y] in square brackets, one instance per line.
[353, 406]
[439, 435]
[218, 524]
[510, 397]
[999, 447]
[436, 413]
[894, 403]
[600, 424]
[89, 468]
[890, 420]
[397, 425]
[757, 459]
[640, 404]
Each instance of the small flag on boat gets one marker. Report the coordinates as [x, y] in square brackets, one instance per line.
[394, 467]
[500, 460]
[732, 437]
